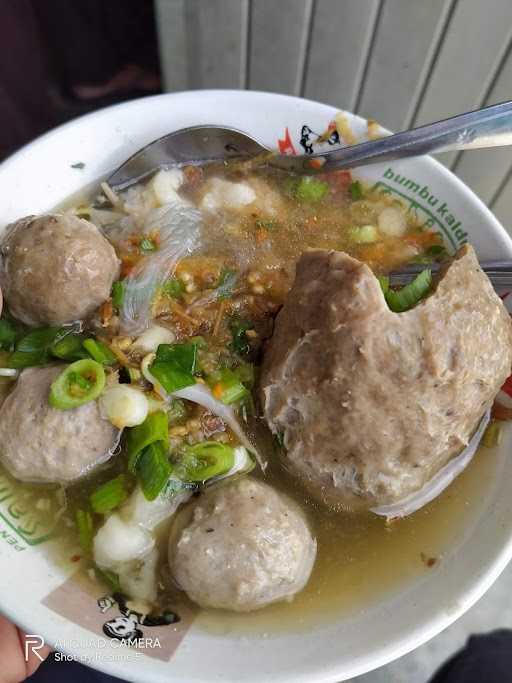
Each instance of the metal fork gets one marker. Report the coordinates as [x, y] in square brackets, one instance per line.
[498, 272]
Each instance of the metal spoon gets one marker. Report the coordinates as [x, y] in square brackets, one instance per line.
[488, 127]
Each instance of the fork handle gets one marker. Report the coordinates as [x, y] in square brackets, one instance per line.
[498, 272]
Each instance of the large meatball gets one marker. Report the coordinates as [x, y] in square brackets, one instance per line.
[55, 269]
[371, 403]
[241, 546]
[43, 444]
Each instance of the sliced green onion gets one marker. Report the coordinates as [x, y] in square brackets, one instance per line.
[205, 460]
[172, 378]
[183, 355]
[407, 297]
[356, 190]
[20, 359]
[124, 405]
[8, 335]
[35, 348]
[42, 339]
[85, 525]
[155, 428]
[153, 470]
[311, 190]
[174, 366]
[365, 234]
[79, 383]
[118, 294]
[147, 244]
[242, 464]
[232, 392]
[226, 386]
[436, 250]
[240, 343]
[82, 383]
[173, 288]
[384, 283]
[109, 495]
[69, 348]
[109, 578]
[99, 352]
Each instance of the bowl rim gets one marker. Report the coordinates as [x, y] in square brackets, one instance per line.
[424, 630]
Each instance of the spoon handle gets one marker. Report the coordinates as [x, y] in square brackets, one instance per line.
[488, 127]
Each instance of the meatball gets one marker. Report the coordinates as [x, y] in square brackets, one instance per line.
[55, 269]
[371, 403]
[39, 443]
[241, 546]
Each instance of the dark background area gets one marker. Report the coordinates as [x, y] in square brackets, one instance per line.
[64, 58]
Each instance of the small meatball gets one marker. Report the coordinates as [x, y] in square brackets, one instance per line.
[371, 404]
[55, 269]
[241, 546]
[39, 443]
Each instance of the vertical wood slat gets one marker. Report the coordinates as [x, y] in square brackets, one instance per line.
[277, 31]
[245, 46]
[305, 46]
[471, 50]
[170, 24]
[203, 44]
[404, 41]
[340, 40]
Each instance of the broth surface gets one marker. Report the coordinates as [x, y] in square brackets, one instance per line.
[362, 560]
[248, 254]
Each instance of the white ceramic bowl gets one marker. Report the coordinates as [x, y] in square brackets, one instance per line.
[40, 176]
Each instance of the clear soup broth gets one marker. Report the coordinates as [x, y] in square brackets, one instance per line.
[226, 291]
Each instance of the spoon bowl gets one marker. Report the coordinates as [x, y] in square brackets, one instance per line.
[193, 146]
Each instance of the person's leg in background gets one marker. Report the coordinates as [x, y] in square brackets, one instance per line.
[24, 75]
[486, 658]
[102, 49]
[64, 58]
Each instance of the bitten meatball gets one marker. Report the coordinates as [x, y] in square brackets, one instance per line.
[370, 403]
[55, 269]
[241, 546]
[39, 443]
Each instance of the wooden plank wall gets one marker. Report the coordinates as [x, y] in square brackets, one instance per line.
[403, 62]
